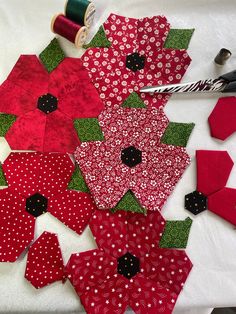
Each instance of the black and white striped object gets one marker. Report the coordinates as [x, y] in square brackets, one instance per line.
[209, 85]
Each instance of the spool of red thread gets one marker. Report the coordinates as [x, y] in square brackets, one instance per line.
[66, 28]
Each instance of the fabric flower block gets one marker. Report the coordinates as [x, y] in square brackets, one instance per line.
[37, 183]
[128, 268]
[46, 104]
[132, 158]
[136, 58]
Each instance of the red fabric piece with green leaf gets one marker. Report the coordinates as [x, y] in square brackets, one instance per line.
[135, 59]
[47, 103]
[100, 276]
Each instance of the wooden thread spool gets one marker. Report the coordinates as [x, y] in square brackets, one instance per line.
[80, 11]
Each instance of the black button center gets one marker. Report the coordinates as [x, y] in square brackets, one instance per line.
[131, 156]
[36, 204]
[47, 103]
[135, 62]
[128, 265]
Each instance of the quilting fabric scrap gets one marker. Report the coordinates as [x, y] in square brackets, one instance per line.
[37, 183]
[136, 58]
[47, 103]
[44, 262]
[213, 170]
[128, 268]
[131, 157]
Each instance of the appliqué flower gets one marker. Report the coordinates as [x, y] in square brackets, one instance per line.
[37, 183]
[135, 59]
[128, 268]
[137, 160]
[46, 104]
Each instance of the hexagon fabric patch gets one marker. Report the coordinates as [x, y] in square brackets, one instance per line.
[176, 234]
[36, 204]
[177, 134]
[128, 265]
[135, 62]
[178, 38]
[47, 103]
[133, 101]
[131, 156]
[6, 121]
[77, 181]
[88, 129]
[52, 55]
[195, 202]
[99, 40]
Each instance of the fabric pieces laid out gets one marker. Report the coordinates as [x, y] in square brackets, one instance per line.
[37, 183]
[131, 158]
[128, 268]
[176, 233]
[46, 104]
[44, 262]
[213, 170]
[136, 58]
[178, 38]
[177, 133]
[222, 120]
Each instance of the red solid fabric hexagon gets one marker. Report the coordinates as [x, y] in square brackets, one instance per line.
[46, 104]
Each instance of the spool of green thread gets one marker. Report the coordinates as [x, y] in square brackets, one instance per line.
[80, 11]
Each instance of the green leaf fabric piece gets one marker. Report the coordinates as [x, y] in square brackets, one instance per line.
[178, 38]
[77, 181]
[133, 101]
[129, 203]
[88, 129]
[3, 181]
[176, 234]
[177, 134]
[99, 40]
[6, 121]
[52, 55]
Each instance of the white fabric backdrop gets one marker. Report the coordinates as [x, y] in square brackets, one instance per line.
[25, 29]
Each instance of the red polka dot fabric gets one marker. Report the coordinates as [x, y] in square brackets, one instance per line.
[47, 128]
[155, 286]
[44, 262]
[151, 180]
[32, 177]
[146, 36]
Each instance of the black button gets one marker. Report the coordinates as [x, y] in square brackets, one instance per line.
[128, 265]
[195, 202]
[47, 103]
[135, 62]
[36, 204]
[131, 156]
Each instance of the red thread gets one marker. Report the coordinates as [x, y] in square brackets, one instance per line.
[66, 28]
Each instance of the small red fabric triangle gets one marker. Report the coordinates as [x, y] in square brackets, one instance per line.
[44, 262]
[213, 170]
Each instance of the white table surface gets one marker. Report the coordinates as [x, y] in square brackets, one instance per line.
[25, 29]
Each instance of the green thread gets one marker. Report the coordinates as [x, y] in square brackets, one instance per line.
[176, 234]
[52, 55]
[99, 40]
[75, 10]
[77, 181]
[6, 121]
[88, 129]
[3, 181]
[129, 203]
[178, 38]
[133, 101]
[177, 134]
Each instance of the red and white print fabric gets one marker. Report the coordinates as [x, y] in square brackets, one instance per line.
[154, 288]
[146, 36]
[152, 180]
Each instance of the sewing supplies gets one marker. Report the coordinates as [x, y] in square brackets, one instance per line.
[222, 56]
[80, 11]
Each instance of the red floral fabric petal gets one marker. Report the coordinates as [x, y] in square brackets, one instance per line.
[28, 132]
[110, 297]
[29, 74]
[16, 226]
[213, 170]
[60, 135]
[88, 270]
[168, 267]
[147, 296]
[72, 208]
[223, 117]
[44, 263]
[222, 203]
